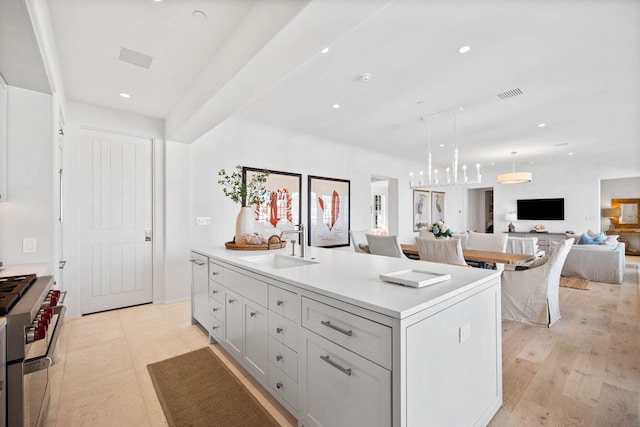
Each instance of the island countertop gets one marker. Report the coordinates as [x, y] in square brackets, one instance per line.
[355, 278]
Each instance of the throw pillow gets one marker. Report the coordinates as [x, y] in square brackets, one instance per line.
[576, 237]
[611, 240]
[585, 239]
[591, 234]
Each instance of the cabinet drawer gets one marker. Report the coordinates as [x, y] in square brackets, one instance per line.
[283, 357]
[283, 385]
[216, 272]
[284, 302]
[283, 330]
[246, 286]
[362, 336]
[340, 387]
[216, 291]
[216, 308]
[217, 329]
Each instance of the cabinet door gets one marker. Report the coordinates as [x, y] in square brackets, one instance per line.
[255, 338]
[340, 388]
[200, 289]
[233, 323]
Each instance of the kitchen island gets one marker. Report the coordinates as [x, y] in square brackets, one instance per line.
[336, 345]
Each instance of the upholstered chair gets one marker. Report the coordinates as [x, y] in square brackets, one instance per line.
[384, 245]
[496, 242]
[359, 240]
[447, 251]
[531, 295]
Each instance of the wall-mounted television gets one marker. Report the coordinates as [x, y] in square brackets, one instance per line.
[541, 209]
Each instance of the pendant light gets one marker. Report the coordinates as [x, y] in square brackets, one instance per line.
[515, 177]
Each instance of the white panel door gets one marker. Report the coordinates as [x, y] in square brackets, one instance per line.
[116, 221]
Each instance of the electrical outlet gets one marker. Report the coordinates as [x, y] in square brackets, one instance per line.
[464, 332]
[29, 245]
[203, 220]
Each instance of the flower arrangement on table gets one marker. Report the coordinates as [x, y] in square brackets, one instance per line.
[439, 229]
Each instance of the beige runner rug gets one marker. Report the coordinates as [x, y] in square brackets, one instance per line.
[574, 282]
[196, 389]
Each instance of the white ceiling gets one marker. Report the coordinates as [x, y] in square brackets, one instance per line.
[576, 62]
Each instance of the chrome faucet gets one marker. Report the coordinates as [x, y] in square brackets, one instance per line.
[301, 232]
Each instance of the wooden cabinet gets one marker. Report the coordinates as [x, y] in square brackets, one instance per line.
[546, 240]
[631, 239]
[200, 290]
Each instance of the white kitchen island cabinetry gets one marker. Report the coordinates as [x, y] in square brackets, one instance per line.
[199, 289]
[345, 348]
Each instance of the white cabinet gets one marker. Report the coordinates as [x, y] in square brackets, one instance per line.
[3, 140]
[346, 374]
[233, 312]
[255, 337]
[200, 290]
[341, 388]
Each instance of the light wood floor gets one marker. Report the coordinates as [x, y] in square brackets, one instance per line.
[583, 371]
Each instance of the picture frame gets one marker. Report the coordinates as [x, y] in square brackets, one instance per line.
[421, 209]
[284, 209]
[437, 206]
[328, 211]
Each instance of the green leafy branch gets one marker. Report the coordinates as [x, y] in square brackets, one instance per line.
[245, 193]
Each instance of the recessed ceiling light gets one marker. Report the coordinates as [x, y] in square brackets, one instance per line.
[541, 125]
[125, 95]
[441, 145]
[571, 154]
[464, 49]
[325, 50]
[336, 106]
[157, 1]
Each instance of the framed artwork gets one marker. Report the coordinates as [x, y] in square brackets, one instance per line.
[328, 212]
[421, 205]
[283, 209]
[437, 206]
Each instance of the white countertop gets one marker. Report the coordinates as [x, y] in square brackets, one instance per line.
[354, 278]
[39, 269]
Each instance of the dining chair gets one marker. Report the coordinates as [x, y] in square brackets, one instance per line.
[384, 245]
[447, 251]
[359, 241]
[531, 295]
[523, 245]
[496, 242]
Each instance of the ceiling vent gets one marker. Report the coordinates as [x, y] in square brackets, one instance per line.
[135, 58]
[510, 93]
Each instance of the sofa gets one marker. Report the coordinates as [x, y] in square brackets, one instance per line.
[597, 263]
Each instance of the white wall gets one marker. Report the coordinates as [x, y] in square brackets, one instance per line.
[79, 116]
[29, 209]
[238, 141]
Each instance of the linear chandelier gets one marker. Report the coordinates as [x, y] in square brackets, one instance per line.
[515, 177]
[451, 173]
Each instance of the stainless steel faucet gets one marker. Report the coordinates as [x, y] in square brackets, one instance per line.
[303, 238]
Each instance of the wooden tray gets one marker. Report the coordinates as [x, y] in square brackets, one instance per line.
[246, 247]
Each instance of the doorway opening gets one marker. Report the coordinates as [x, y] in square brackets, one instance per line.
[480, 210]
[384, 206]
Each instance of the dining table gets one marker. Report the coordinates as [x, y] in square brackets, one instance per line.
[491, 257]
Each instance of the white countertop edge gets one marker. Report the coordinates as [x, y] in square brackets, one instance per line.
[393, 300]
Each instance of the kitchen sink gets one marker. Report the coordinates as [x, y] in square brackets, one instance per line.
[279, 260]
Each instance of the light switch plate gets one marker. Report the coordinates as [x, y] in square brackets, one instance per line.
[464, 332]
[29, 245]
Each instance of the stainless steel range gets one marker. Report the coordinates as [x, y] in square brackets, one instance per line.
[34, 315]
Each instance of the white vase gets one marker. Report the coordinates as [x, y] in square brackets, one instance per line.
[245, 223]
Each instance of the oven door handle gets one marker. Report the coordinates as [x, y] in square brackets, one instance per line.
[45, 361]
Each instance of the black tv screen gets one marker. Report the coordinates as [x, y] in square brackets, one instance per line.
[541, 209]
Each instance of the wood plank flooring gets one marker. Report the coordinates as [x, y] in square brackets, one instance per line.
[585, 369]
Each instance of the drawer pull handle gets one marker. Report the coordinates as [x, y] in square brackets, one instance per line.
[215, 273]
[215, 309]
[279, 385]
[196, 262]
[214, 328]
[278, 330]
[278, 358]
[335, 365]
[214, 292]
[252, 314]
[279, 302]
[231, 300]
[336, 328]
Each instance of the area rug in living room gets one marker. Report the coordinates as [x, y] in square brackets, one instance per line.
[574, 283]
[196, 389]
